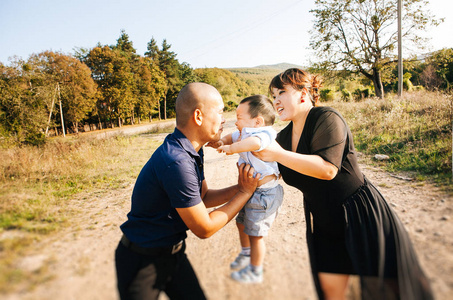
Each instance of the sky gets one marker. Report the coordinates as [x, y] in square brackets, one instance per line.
[203, 33]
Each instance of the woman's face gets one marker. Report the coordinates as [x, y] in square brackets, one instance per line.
[287, 102]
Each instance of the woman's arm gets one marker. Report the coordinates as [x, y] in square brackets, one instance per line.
[311, 165]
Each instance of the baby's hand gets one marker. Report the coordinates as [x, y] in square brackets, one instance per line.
[225, 149]
[216, 144]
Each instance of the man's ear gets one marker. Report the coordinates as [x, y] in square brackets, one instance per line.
[198, 117]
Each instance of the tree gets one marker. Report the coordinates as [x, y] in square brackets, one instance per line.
[151, 87]
[361, 35]
[127, 77]
[442, 62]
[153, 51]
[170, 66]
[77, 88]
[22, 112]
[124, 45]
[112, 72]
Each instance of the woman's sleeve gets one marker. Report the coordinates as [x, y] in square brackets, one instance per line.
[329, 138]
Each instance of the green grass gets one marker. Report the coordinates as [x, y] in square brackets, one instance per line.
[415, 132]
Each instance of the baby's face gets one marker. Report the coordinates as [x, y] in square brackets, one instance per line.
[243, 117]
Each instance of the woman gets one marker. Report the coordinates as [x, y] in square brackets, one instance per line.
[350, 227]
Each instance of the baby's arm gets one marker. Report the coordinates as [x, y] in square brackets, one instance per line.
[249, 144]
[226, 140]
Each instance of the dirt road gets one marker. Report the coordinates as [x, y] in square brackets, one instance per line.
[81, 262]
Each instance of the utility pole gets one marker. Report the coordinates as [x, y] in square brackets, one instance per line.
[400, 52]
[51, 109]
[61, 110]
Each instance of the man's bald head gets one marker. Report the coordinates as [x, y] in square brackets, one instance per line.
[192, 96]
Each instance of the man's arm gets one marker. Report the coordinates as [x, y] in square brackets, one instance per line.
[204, 224]
[249, 144]
[213, 198]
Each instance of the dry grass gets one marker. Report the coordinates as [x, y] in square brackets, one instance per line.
[38, 185]
[415, 131]
[36, 182]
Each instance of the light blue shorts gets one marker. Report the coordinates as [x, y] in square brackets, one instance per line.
[260, 211]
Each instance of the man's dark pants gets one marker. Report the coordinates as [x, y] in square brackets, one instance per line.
[145, 276]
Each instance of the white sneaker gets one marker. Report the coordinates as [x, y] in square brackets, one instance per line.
[240, 262]
[246, 275]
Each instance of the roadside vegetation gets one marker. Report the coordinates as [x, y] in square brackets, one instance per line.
[39, 188]
[414, 131]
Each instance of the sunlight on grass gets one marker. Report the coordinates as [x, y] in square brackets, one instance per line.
[38, 187]
[415, 131]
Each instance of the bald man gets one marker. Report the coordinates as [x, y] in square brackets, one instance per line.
[171, 196]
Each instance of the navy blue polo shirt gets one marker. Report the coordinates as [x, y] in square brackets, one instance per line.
[172, 178]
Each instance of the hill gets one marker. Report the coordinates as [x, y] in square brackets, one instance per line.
[280, 66]
[259, 69]
[246, 81]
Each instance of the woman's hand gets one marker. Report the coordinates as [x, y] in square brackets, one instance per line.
[270, 153]
[246, 182]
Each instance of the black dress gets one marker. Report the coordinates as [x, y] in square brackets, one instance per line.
[350, 227]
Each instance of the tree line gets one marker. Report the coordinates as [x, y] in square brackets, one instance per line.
[52, 93]
[432, 72]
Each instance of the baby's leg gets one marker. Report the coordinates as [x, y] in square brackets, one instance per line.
[243, 237]
[257, 250]
[243, 259]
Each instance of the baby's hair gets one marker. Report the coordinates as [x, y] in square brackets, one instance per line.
[298, 79]
[260, 105]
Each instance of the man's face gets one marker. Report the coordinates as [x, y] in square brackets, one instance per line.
[213, 119]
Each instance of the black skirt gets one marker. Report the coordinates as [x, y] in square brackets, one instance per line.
[375, 246]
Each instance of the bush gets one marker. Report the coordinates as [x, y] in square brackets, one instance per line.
[230, 106]
[35, 138]
[407, 84]
[360, 94]
[346, 95]
[357, 94]
[326, 95]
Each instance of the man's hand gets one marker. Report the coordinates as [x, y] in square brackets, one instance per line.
[215, 145]
[246, 182]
